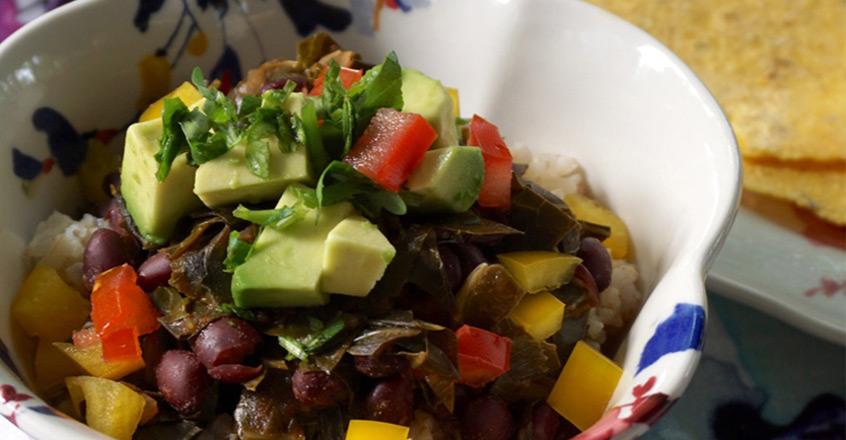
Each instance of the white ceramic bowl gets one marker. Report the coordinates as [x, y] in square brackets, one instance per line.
[557, 75]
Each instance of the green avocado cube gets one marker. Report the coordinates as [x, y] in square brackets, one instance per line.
[430, 99]
[447, 180]
[285, 267]
[155, 206]
[355, 257]
[226, 179]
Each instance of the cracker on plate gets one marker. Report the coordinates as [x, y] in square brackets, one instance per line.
[818, 187]
[777, 67]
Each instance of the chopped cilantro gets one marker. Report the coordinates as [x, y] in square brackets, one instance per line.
[237, 252]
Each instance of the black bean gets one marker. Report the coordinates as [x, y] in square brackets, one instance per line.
[105, 250]
[452, 267]
[182, 380]
[391, 401]
[155, 272]
[585, 279]
[319, 389]
[235, 373]
[301, 82]
[596, 259]
[486, 418]
[226, 340]
[381, 365]
[545, 421]
[470, 257]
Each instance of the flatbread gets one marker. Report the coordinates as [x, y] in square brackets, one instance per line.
[820, 188]
[777, 67]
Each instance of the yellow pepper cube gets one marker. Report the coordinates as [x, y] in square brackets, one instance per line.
[585, 386]
[91, 360]
[540, 315]
[51, 368]
[186, 92]
[453, 93]
[590, 210]
[49, 308]
[370, 430]
[110, 407]
[540, 270]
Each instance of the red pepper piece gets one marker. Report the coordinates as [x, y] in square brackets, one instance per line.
[348, 78]
[391, 147]
[496, 188]
[482, 355]
[121, 312]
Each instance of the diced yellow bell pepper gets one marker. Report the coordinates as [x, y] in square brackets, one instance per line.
[590, 210]
[585, 386]
[540, 270]
[540, 315]
[49, 308]
[91, 359]
[51, 368]
[453, 93]
[370, 430]
[186, 92]
[110, 407]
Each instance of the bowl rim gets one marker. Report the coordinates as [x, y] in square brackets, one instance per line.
[700, 256]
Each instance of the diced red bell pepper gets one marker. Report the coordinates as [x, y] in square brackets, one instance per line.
[391, 147]
[482, 356]
[121, 312]
[496, 188]
[348, 78]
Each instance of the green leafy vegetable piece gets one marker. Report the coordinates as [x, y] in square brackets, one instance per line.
[236, 252]
[238, 311]
[380, 87]
[340, 182]
[544, 223]
[278, 219]
[313, 140]
[173, 141]
[314, 341]
[310, 50]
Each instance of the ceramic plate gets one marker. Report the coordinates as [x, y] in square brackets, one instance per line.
[785, 262]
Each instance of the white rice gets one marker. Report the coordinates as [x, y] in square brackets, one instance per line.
[59, 242]
[620, 302]
[555, 173]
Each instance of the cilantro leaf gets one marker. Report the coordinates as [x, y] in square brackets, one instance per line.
[313, 140]
[237, 252]
[313, 342]
[340, 182]
[173, 141]
[278, 219]
[380, 87]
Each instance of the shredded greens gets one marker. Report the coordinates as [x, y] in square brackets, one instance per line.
[313, 342]
[207, 133]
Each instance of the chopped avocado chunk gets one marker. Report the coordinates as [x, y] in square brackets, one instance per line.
[155, 206]
[447, 180]
[227, 180]
[428, 98]
[285, 267]
[355, 257]
[540, 270]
